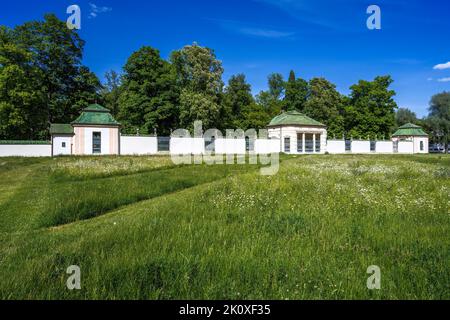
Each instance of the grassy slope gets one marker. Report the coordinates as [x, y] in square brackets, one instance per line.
[311, 231]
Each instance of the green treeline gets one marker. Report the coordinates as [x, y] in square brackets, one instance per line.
[43, 81]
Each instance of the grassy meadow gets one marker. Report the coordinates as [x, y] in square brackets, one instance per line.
[143, 228]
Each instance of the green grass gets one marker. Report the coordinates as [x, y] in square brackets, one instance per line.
[141, 228]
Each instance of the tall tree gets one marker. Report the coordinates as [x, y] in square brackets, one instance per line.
[85, 90]
[296, 93]
[21, 115]
[149, 95]
[199, 75]
[269, 104]
[276, 86]
[324, 104]
[236, 98]
[271, 100]
[439, 118]
[51, 56]
[111, 91]
[57, 51]
[404, 115]
[254, 116]
[371, 108]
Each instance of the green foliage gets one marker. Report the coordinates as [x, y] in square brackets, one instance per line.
[111, 92]
[269, 104]
[149, 95]
[254, 116]
[198, 106]
[20, 99]
[198, 69]
[271, 100]
[236, 99]
[371, 108]
[276, 86]
[43, 79]
[404, 116]
[199, 76]
[438, 120]
[324, 104]
[296, 93]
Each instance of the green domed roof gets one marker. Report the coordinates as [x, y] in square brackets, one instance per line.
[409, 130]
[95, 114]
[294, 118]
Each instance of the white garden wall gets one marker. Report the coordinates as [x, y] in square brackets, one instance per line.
[406, 147]
[134, 145]
[335, 146]
[384, 147]
[267, 146]
[25, 150]
[360, 146]
[185, 146]
[230, 146]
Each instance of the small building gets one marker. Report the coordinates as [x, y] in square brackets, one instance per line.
[412, 133]
[95, 132]
[61, 135]
[298, 133]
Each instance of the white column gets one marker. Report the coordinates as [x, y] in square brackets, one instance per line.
[303, 142]
[314, 143]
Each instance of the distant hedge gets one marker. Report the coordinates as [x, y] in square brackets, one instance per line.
[16, 142]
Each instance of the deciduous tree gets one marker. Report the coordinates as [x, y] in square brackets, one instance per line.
[149, 95]
[237, 97]
[371, 108]
[439, 118]
[324, 104]
[296, 93]
[199, 76]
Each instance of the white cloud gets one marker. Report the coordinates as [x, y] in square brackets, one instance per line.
[265, 33]
[442, 66]
[252, 30]
[444, 80]
[430, 79]
[95, 10]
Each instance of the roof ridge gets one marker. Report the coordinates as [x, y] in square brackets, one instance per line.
[294, 117]
[95, 107]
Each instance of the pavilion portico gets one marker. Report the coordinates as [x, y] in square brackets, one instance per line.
[298, 133]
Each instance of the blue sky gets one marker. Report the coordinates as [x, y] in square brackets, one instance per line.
[327, 38]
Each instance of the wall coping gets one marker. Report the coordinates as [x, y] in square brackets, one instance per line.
[24, 142]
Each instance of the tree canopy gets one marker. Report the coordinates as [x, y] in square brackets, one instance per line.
[296, 93]
[370, 109]
[43, 81]
[438, 120]
[199, 77]
[404, 116]
[149, 95]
